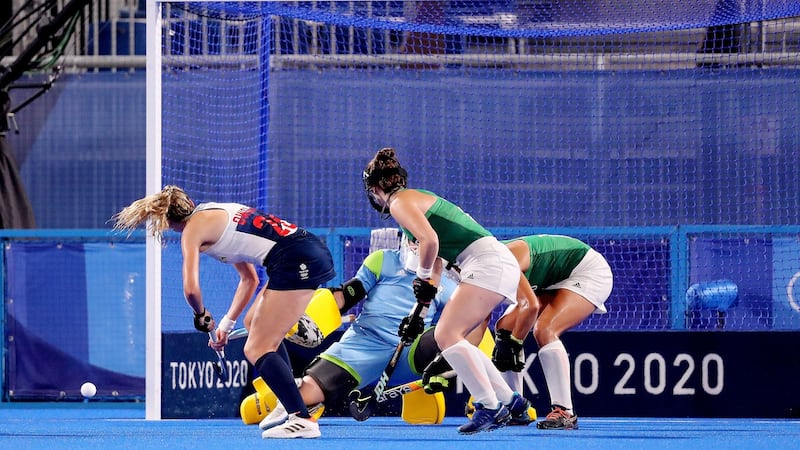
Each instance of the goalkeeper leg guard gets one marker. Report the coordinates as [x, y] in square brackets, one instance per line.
[255, 407]
[333, 377]
[422, 351]
[420, 408]
[320, 319]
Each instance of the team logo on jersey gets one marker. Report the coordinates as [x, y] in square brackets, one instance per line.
[303, 272]
[577, 285]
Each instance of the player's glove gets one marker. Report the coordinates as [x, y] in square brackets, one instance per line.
[424, 290]
[413, 325]
[203, 321]
[508, 354]
[410, 327]
[432, 379]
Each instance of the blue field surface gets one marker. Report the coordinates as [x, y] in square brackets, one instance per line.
[118, 426]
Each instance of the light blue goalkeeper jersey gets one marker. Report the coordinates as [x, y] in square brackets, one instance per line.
[390, 296]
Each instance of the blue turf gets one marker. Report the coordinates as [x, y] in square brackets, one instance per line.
[87, 426]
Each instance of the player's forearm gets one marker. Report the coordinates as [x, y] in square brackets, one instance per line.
[244, 292]
[195, 300]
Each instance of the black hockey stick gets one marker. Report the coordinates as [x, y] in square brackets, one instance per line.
[221, 366]
[363, 403]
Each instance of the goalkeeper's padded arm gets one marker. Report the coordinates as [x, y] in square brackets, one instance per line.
[352, 292]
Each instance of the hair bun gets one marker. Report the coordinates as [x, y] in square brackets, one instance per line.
[387, 154]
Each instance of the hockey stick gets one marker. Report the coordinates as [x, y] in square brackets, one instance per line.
[363, 403]
[243, 333]
[407, 388]
[221, 366]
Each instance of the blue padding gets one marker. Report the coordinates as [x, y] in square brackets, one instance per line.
[115, 301]
[717, 295]
[745, 262]
[38, 369]
[47, 291]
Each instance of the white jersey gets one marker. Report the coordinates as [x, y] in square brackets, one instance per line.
[249, 235]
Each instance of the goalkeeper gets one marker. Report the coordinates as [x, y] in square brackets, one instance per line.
[383, 283]
[567, 282]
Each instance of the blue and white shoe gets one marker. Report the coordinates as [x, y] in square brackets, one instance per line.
[486, 419]
[519, 407]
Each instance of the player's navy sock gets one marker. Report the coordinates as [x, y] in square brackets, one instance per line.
[284, 353]
[278, 376]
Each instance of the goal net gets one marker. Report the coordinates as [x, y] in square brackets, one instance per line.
[664, 134]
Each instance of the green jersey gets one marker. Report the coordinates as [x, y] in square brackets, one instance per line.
[553, 258]
[455, 228]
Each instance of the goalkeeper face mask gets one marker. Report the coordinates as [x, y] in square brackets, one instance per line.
[409, 255]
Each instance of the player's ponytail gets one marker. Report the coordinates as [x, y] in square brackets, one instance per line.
[171, 204]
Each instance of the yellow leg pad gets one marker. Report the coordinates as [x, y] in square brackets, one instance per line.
[487, 343]
[256, 406]
[323, 312]
[420, 408]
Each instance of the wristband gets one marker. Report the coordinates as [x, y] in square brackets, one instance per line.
[511, 336]
[425, 274]
[226, 324]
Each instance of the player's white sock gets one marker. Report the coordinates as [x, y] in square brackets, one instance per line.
[555, 365]
[502, 389]
[514, 380]
[465, 359]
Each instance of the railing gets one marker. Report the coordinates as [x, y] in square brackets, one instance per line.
[111, 35]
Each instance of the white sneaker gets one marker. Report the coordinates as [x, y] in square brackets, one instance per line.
[293, 427]
[276, 417]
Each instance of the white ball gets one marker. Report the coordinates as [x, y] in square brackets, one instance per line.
[88, 389]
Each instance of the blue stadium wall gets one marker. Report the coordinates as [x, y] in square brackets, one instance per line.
[86, 322]
[81, 149]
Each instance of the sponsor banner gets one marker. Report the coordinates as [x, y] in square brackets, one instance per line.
[613, 374]
[190, 387]
[676, 374]
[786, 283]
